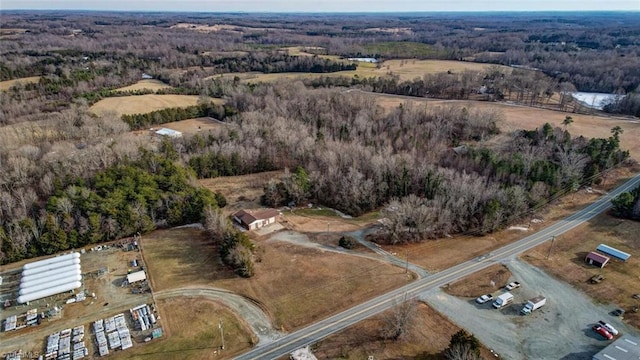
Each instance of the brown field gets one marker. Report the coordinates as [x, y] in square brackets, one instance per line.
[480, 282]
[149, 84]
[242, 191]
[524, 117]
[297, 285]
[621, 278]
[6, 85]
[191, 331]
[314, 221]
[142, 104]
[405, 69]
[193, 126]
[429, 336]
[437, 255]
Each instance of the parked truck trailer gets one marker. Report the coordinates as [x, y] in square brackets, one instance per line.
[533, 304]
[503, 300]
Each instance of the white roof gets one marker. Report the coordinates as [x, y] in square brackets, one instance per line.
[51, 276]
[169, 132]
[136, 276]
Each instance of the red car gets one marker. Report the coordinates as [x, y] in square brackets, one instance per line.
[602, 331]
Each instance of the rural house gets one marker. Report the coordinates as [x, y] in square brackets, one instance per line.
[596, 259]
[256, 219]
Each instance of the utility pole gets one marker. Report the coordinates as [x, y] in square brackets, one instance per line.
[406, 266]
[221, 334]
[551, 247]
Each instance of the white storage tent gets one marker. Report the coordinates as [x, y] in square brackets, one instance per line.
[50, 277]
[136, 276]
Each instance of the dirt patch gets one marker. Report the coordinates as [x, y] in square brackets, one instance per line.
[429, 336]
[483, 282]
[194, 126]
[242, 191]
[148, 84]
[6, 85]
[141, 104]
[566, 261]
[326, 224]
[191, 331]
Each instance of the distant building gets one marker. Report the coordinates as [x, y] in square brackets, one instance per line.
[146, 76]
[136, 276]
[625, 348]
[596, 259]
[169, 132]
[255, 219]
[606, 249]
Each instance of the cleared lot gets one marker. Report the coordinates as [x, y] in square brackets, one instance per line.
[559, 330]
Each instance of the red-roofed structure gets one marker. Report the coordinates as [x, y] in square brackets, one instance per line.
[596, 259]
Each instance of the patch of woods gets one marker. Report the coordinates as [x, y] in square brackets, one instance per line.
[627, 204]
[234, 247]
[124, 199]
[163, 116]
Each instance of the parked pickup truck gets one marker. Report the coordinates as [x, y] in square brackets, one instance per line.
[503, 300]
[484, 298]
[512, 285]
[533, 304]
[609, 328]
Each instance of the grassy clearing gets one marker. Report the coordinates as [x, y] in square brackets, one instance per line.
[193, 126]
[242, 191]
[429, 336]
[480, 282]
[524, 117]
[297, 285]
[191, 331]
[567, 261]
[6, 85]
[142, 104]
[405, 69]
[149, 84]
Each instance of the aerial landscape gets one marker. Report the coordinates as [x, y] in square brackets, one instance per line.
[279, 180]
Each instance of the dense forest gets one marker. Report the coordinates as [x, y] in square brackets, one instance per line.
[70, 177]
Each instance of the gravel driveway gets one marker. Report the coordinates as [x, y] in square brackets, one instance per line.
[559, 330]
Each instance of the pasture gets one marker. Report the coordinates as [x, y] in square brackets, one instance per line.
[146, 84]
[6, 85]
[140, 104]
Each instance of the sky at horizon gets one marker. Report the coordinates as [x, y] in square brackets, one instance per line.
[323, 6]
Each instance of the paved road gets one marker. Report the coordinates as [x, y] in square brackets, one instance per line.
[328, 326]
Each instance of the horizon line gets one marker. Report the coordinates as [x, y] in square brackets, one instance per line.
[330, 12]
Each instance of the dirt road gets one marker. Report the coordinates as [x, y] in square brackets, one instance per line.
[559, 330]
[248, 310]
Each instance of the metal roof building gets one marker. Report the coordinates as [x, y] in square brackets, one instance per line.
[136, 276]
[606, 249]
[625, 348]
[169, 132]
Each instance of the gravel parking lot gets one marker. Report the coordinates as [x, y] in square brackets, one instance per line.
[559, 330]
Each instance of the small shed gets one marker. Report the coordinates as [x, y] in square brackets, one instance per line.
[169, 132]
[606, 249]
[593, 258]
[255, 219]
[136, 276]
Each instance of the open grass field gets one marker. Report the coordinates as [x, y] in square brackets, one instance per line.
[142, 104]
[6, 85]
[405, 69]
[566, 261]
[296, 285]
[149, 84]
[523, 117]
[320, 221]
[428, 337]
[191, 332]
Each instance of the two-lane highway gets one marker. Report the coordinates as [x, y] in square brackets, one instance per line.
[335, 323]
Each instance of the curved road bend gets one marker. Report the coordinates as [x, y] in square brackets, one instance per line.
[335, 323]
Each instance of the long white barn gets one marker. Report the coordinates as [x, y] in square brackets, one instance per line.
[49, 277]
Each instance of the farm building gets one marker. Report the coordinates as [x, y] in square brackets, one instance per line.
[625, 348]
[255, 219]
[136, 276]
[169, 133]
[593, 258]
[49, 277]
[606, 249]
